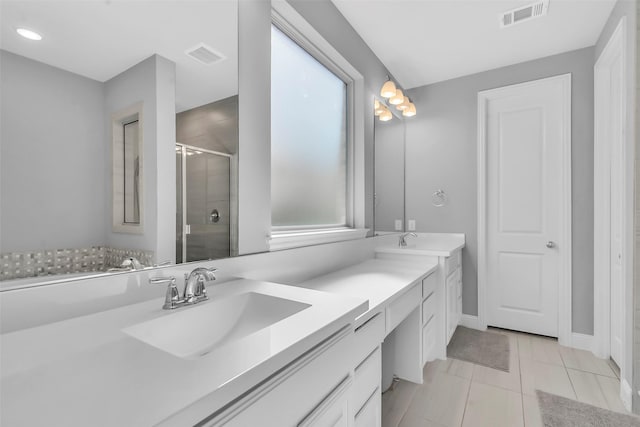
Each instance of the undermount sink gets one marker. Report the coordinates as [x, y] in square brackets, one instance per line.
[195, 331]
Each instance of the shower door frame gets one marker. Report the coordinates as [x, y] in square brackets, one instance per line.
[183, 181]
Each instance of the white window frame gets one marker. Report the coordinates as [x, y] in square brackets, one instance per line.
[287, 20]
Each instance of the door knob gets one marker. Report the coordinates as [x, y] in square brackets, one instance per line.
[551, 244]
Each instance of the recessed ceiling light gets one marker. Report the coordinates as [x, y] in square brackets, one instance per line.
[28, 34]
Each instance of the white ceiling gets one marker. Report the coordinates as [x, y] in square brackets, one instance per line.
[100, 39]
[427, 41]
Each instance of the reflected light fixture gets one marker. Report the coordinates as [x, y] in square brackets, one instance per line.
[398, 98]
[28, 34]
[410, 111]
[404, 105]
[378, 108]
[388, 89]
[386, 116]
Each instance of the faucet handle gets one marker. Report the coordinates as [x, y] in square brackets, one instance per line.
[172, 297]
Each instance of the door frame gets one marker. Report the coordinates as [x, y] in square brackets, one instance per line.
[616, 46]
[564, 239]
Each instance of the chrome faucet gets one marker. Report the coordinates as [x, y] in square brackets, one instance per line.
[402, 242]
[128, 264]
[194, 292]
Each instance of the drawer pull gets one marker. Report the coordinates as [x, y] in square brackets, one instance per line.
[367, 322]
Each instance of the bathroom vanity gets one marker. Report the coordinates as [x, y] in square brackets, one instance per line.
[313, 351]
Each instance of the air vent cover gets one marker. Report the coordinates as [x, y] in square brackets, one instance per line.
[525, 13]
[204, 54]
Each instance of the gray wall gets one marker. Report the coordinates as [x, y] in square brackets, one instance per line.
[441, 153]
[254, 114]
[51, 173]
[151, 82]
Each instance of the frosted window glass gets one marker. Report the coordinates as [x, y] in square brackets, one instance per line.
[308, 138]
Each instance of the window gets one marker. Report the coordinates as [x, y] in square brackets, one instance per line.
[309, 140]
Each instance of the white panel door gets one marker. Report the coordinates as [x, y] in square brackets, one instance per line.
[524, 125]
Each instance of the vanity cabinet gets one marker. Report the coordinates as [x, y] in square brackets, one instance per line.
[314, 390]
[367, 394]
[453, 287]
[429, 313]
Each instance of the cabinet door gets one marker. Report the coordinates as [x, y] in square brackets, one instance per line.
[459, 296]
[371, 413]
[452, 307]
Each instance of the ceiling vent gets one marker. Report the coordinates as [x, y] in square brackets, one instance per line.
[523, 14]
[204, 54]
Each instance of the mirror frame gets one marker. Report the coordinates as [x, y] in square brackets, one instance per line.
[118, 120]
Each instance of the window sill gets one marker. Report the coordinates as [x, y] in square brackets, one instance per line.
[296, 239]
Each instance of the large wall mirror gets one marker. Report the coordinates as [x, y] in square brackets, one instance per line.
[119, 136]
[389, 197]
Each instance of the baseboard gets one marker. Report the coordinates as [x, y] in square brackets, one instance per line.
[625, 394]
[469, 321]
[582, 341]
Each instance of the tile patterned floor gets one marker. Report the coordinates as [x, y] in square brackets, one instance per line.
[461, 394]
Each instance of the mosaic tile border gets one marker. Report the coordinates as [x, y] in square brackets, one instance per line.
[19, 265]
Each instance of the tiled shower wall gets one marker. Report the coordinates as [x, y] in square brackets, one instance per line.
[17, 265]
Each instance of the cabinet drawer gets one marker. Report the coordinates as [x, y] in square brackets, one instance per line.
[319, 372]
[428, 340]
[428, 308]
[400, 308]
[452, 262]
[367, 379]
[333, 411]
[429, 284]
[368, 336]
[371, 413]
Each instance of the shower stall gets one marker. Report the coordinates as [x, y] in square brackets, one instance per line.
[203, 202]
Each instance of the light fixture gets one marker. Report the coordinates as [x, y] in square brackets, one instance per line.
[410, 111]
[404, 105]
[388, 89]
[386, 116]
[28, 34]
[398, 98]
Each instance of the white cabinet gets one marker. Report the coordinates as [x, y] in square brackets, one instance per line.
[371, 413]
[429, 313]
[367, 373]
[453, 287]
[333, 411]
[313, 390]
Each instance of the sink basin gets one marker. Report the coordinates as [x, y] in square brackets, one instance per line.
[195, 331]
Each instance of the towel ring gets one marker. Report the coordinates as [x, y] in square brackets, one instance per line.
[439, 198]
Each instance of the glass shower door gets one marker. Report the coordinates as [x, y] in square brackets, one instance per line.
[204, 208]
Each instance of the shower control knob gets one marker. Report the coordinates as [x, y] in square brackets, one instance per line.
[551, 244]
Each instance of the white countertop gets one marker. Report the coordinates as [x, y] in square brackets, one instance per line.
[378, 280]
[87, 372]
[430, 244]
